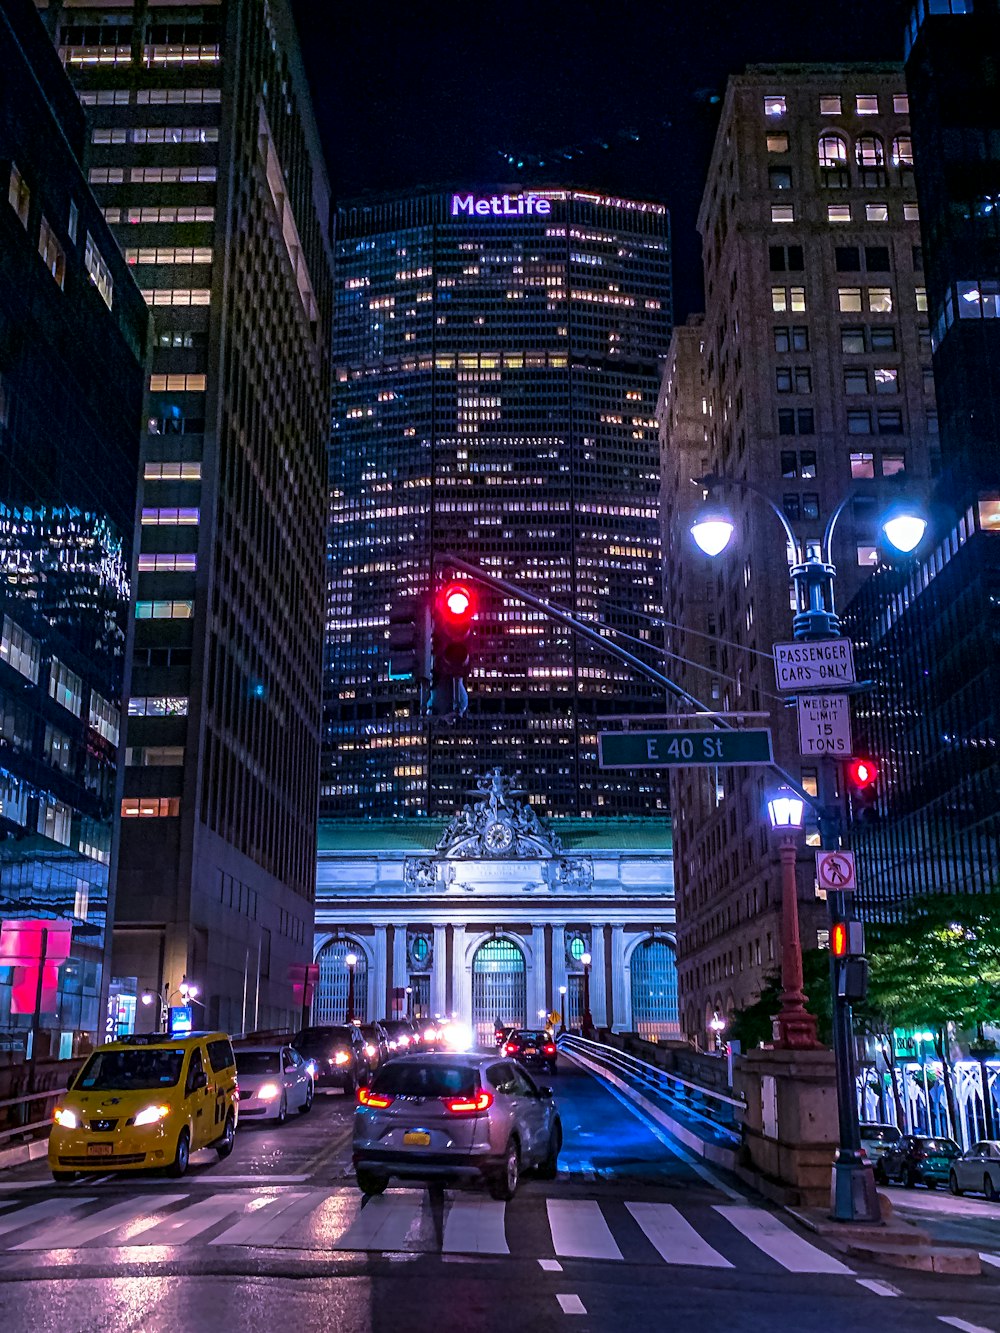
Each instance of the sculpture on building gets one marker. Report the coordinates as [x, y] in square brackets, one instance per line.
[497, 825]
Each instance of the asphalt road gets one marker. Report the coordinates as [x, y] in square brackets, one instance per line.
[632, 1232]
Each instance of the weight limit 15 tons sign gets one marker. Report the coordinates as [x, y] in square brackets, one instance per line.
[663, 749]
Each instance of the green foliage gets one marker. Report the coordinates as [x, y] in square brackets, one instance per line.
[752, 1025]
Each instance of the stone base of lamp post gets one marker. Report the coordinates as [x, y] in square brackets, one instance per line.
[794, 1027]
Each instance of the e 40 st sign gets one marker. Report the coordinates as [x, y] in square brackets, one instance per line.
[661, 749]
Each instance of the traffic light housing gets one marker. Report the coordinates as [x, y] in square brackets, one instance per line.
[862, 783]
[454, 610]
[409, 641]
[847, 947]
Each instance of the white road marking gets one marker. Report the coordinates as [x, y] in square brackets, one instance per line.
[70, 1235]
[190, 1221]
[550, 1265]
[674, 1237]
[992, 1259]
[474, 1226]
[267, 1223]
[386, 1222]
[879, 1288]
[962, 1324]
[579, 1230]
[38, 1212]
[764, 1230]
[571, 1305]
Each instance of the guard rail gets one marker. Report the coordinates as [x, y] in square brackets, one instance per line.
[715, 1109]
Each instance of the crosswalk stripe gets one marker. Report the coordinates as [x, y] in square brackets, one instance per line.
[190, 1221]
[387, 1222]
[38, 1212]
[674, 1236]
[474, 1225]
[78, 1231]
[266, 1223]
[579, 1230]
[992, 1259]
[779, 1242]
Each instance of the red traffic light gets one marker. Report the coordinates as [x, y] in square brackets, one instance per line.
[838, 939]
[862, 772]
[458, 602]
[847, 939]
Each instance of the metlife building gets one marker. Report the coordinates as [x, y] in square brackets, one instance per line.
[496, 376]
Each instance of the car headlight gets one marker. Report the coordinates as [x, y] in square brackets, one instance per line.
[62, 1115]
[150, 1115]
[342, 1058]
[311, 1067]
[369, 1050]
[268, 1092]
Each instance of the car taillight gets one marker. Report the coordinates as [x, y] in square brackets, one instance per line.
[482, 1101]
[404, 1041]
[511, 1048]
[548, 1050]
[342, 1058]
[377, 1100]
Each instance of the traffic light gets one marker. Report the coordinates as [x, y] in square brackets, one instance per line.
[409, 641]
[847, 939]
[454, 610]
[862, 782]
[847, 945]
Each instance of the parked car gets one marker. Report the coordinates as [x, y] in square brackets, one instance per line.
[147, 1100]
[877, 1139]
[376, 1044]
[445, 1116]
[977, 1171]
[273, 1080]
[534, 1048]
[338, 1053]
[917, 1159]
[401, 1033]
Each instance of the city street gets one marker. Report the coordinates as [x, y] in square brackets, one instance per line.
[278, 1234]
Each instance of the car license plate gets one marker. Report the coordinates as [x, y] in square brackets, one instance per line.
[100, 1149]
[416, 1138]
[530, 1050]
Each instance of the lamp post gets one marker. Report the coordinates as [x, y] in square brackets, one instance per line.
[587, 1021]
[187, 990]
[813, 576]
[562, 1010]
[351, 962]
[794, 1026]
[717, 1025]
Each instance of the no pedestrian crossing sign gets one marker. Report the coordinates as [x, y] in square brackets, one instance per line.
[663, 749]
[814, 666]
[835, 871]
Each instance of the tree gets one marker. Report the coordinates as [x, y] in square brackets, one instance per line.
[752, 1025]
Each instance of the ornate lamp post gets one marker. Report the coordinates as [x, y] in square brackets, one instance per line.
[794, 1026]
[717, 1025]
[351, 962]
[562, 1010]
[587, 1022]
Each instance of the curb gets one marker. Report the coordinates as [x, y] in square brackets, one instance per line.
[24, 1152]
[894, 1244]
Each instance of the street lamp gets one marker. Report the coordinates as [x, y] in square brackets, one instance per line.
[813, 576]
[409, 1002]
[587, 1022]
[351, 962]
[562, 1010]
[717, 1025]
[794, 1026]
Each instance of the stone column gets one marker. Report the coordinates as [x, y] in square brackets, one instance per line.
[598, 990]
[621, 1005]
[559, 968]
[376, 991]
[438, 972]
[460, 998]
[536, 990]
[400, 971]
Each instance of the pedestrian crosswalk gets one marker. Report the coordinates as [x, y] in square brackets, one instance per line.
[339, 1221]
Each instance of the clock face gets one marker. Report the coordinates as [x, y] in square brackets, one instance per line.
[499, 837]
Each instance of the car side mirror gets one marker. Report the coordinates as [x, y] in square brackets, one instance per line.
[289, 1069]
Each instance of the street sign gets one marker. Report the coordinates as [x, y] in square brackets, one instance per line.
[811, 666]
[835, 871]
[824, 724]
[662, 749]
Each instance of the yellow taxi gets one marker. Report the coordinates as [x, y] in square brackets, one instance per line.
[145, 1101]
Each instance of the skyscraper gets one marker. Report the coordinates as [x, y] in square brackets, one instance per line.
[814, 387]
[74, 336]
[205, 157]
[495, 389]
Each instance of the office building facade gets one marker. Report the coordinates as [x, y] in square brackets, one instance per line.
[74, 336]
[812, 380]
[205, 158]
[495, 389]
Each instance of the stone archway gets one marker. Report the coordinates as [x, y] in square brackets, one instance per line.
[499, 987]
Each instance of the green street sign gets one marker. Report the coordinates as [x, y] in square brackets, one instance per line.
[661, 749]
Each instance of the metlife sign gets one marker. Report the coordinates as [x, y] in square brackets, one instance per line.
[500, 206]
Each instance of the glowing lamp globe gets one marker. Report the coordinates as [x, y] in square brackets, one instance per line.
[712, 530]
[351, 959]
[785, 809]
[904, 529]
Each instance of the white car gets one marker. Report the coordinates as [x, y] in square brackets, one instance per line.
[977, 1170]
[273, 1080]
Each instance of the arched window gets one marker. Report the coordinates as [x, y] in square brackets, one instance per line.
[832, 150]
[902, 151]
[869, 151]
[330, 1003]
[654, 990]
[499, 988]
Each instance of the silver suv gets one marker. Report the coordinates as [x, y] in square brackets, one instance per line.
[439, 1116]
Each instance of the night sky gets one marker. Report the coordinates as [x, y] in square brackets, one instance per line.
[617, 95]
